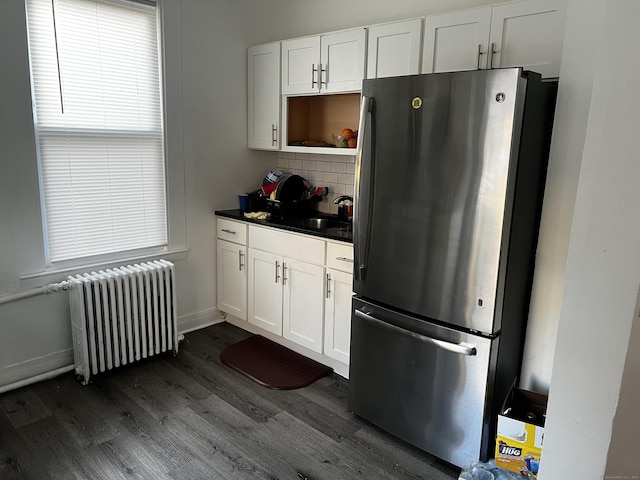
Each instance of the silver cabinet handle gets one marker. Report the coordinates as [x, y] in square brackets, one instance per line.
[240, 263]
[328, 285]
[323, 75]
[461, 348]
[277, 271]
[344, 259]
[228, 231]
[492, 52]
[274, 135]
[479, 54]
[314, 71]
[284, 273]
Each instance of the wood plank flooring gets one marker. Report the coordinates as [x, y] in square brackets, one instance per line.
[190, 417]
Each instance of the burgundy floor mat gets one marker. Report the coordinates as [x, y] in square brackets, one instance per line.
[272, 365]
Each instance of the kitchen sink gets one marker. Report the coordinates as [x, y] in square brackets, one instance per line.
[320, 223]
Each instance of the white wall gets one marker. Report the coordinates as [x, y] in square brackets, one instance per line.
[624, 449]
[603, 266]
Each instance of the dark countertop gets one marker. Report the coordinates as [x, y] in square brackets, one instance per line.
[334, 230]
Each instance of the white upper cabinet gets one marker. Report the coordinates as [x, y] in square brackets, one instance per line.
[300, 63]
[264, 96]
[394, 49]
[324, 64]
[456, 41]
[526, 34]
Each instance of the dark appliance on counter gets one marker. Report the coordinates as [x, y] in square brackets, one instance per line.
[449, 182]
[290, 198]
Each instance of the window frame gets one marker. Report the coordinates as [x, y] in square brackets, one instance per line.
[173, 166]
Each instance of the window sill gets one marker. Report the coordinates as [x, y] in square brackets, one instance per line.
[31, 280]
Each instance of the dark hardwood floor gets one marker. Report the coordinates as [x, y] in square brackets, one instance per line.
[190, 417]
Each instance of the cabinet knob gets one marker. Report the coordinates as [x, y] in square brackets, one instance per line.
[314, 71]
[328, 285]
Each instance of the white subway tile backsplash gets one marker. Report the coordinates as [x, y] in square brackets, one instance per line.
[331, 178]
[345, 179]
[349, 190]
[338, 167]
[316, 178]
[309, 165]
[338, 189]
[323, 166]
[333, 171]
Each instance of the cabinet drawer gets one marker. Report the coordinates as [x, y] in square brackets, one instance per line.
[287, 244]
[340, 256]
[231, 231]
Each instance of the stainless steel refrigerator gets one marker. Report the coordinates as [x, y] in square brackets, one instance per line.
[449, 182]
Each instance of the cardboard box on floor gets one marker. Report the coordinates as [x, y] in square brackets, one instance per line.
[521, 431]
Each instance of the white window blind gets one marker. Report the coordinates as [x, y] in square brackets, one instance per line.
[98, 113]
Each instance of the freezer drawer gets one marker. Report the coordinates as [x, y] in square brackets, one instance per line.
[423, 383]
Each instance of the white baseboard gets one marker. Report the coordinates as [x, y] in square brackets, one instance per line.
[198, 320]
[35, 367]
[47, 366]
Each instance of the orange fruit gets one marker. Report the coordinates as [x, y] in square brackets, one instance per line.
[347, 133]
[352, 142]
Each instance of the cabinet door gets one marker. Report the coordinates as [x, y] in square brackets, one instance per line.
[300, 63]
[528, 34]
[394, 49]
[303, 303]
[337, 315]
[232, 279]
[342, 61]
[264, 96]
[456, 41]
[265, 291]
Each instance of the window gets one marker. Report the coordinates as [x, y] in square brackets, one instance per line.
[98, 113]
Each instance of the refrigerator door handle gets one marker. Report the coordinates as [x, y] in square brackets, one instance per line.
[461, 348]
[361, 243]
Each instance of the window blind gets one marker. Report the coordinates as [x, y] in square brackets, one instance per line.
[98, 114]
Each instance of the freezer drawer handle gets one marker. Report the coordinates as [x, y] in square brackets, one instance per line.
[462, 348]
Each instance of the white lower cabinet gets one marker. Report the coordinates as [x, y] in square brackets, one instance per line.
[294, 286]
[337, 315]
[265, 291]
[303, 306]
[232, 268]
[286, 285]
[232, 279]
[337, 303]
